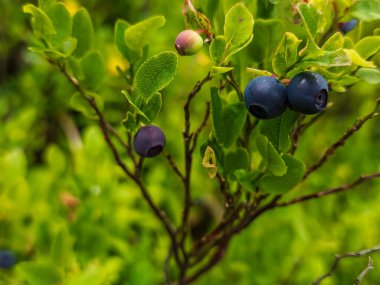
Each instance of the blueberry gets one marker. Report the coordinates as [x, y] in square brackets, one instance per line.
[188, 42]
[7, 259]
[308, 92]
[265, 97]
[348, 26]
[149, 141]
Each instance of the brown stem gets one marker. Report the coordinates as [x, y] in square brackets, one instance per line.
[362, 274]
[214, 259]
[341, 141]
[295, 134]
[339, 257]
[134, 176]
[187, 137]
[338, 189]
[173, 165]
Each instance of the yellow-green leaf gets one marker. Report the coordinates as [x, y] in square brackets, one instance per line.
[358, 60]
[368, 46]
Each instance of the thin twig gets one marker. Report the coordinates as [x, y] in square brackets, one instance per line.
[188, 140]
[341, 141]
[134, 176]
[345, 255]
[295, 134]
[338, 189]
[369, 267]
[214, 259]
[126, 146]
[228, 198]
[187, 136]
[173, 165]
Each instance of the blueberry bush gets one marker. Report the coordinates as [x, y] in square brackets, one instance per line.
[189, 142]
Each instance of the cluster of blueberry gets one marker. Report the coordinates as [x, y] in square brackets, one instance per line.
[7, 259]
[266, 97]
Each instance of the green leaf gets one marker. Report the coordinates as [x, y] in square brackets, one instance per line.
[271, 160]
[247, 179]
[130, 123]
[131, 55]
[239, 48]
[217, 50]
[61, 20]
[62, 249]
[220, 69]
[155, 73]
[93, 69]
[368, 46]
[138, 35]
[68, 46]
[358, 60]
[286, 54]
[135, 108]
[83, 31]
[238, 26]
[334, 42]
[268, 34]
[75, 68]
[229, 121]
[216, 113]
[366, 10]
[370, 75]
[46, 4]
[152, 107]
[310, 17]
[40, 273]
[279, 185]
[42, 25]
[234, 160]
[233, 119]
[277, 130]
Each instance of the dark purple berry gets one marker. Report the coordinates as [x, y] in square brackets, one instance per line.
[265, 97]
[188, 42]
[7, 259]
[308, 92]
[149, 141]
[348, 26]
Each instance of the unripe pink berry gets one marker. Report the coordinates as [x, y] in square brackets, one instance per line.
[188, 42]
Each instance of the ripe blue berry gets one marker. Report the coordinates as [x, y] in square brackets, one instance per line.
[308, 92]
[7, 259]
[188, 42]
[265, 97]
[348, 26]
[149, 141]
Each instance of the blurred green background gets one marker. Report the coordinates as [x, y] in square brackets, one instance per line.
[71, 216]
